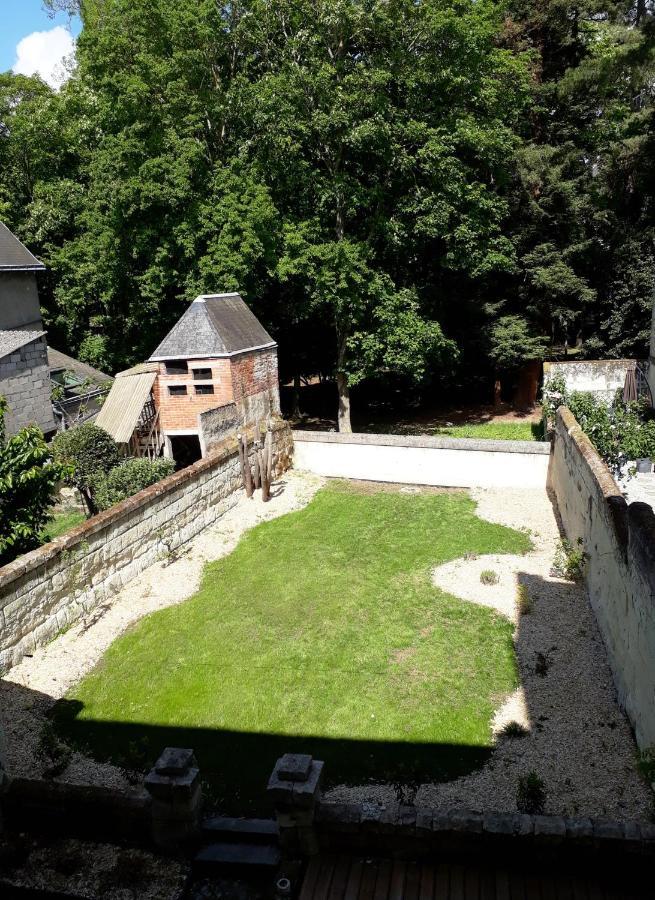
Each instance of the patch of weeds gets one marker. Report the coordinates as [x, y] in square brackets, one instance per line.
[514, 730]
[468, 556]
[52, 751]
[570, 560]
[130, 872]
[137, 758]
[543, 663]
[531, 794]
[524, 600]
[646, 764]
[488, 576]
[67, 861]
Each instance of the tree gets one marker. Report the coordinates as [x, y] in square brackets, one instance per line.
[28, 485]
[88, 452]
[128, 478]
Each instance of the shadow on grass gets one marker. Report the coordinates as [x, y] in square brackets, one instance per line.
[235, 765]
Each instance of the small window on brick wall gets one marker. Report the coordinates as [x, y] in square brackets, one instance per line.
[177, 367]
[204, 389]
[202, 374]
[177, 390]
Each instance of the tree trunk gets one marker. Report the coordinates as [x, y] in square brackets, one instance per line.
[295, 412]
[342, 387]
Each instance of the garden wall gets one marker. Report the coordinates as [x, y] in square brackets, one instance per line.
[442, 461]
[620, 572]
[601, 377]
[47, 590]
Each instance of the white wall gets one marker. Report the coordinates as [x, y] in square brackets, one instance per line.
[445, 462]
[601, 377]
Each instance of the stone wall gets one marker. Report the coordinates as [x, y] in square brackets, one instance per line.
[218, 424]
[255, 385]
[25, 383]
[601, 377]
[442, 461]
[620, 571]
[52, 587]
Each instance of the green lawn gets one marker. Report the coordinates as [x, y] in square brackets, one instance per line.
[498, 431]
[321, 632]
[63, 522]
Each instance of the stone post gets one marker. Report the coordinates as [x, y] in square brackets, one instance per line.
[294, 788]
[174, 785]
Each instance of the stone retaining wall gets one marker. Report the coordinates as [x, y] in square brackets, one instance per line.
[49, 589]
[442, 461]
[600, 377]
[620, 571]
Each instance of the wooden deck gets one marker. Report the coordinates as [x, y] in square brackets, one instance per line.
[354, 878]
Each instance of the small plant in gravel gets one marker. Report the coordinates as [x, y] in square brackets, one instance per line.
[646, 764]
[570, 559]
[543, 664]
[531, 794]
[524, 600]
[514, 729]
[52, 751]
[488, 576]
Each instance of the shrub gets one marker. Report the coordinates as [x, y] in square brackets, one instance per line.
[28, 483]
[570, 559]
[524, 600]
[488, 576]
[128, 478]
[88, 451]
[531, 794]
[514, 730]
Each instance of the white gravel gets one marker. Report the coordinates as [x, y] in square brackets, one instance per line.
[579, 742]
[28, 690]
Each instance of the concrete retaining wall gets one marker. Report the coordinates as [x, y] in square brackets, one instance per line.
[45, 591]
[447, 462]
[601, 377]
[620, 572]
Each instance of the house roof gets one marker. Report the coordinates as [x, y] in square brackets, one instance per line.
[214, 325]
[129, 393]
[12, 340]
[59, 361]
[14, 256]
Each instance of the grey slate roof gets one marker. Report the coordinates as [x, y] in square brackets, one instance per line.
[58, 361]
[14, 256]
[214, 325]
[11, 340]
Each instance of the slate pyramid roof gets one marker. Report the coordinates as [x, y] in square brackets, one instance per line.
[214, 325]
[14, 256]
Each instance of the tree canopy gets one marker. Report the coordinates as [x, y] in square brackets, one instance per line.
[423, 189]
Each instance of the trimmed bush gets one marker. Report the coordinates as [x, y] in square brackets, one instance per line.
[89, 452]
[128, 478]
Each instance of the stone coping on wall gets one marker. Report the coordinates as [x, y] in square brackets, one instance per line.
[427, 442]
[76, 536]
[372, 825]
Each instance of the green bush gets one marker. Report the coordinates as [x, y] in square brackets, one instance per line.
[128, 478]
[488, 576]
[619, 431]
[28, 484]
[88, 451]
[531, 794]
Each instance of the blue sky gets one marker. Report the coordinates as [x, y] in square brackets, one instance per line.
[19, 19]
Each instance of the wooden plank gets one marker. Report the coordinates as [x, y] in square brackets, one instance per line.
[383, 883]
[487, 884]
[516, 885]
[311, 878]
[580, 891]
[369, 877]
[532, 886]
[426, 891]
[326, 871]
[472, 883]
[502, 885]
[340, 878]
[412, 881]
[457, 882]
[397, 886]
[354, 880]
[442, 882]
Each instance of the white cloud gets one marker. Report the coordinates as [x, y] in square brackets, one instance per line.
[46, 53]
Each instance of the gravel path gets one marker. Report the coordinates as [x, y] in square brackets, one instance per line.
[579, 742]
[27, 692]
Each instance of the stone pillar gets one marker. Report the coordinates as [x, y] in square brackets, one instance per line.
[174, 785]
[294, 788]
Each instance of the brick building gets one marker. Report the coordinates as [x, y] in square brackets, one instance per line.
[214, 371]
[24, 369]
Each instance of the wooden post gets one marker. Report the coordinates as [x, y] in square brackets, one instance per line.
[269, 457]
[242, 441]
[266, 487]
[258, 469]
